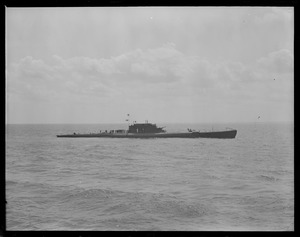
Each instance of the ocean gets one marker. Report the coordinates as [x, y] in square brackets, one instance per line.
[162, 184]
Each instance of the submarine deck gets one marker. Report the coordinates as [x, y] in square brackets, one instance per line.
[215, 134]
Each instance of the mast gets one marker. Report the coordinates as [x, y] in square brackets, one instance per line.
[128, 119]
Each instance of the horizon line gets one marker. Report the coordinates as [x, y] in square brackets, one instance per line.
[216, 122]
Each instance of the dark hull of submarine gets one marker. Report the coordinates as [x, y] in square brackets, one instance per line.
[214, 134]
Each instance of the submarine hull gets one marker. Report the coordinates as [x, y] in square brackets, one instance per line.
[229, 134]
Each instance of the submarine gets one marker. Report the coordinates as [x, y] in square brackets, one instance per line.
[149, 130]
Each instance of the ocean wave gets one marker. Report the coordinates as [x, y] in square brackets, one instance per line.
[268, 178]
[168, 184]
[11, 182]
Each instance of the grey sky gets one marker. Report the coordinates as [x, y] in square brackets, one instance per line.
[183, 64]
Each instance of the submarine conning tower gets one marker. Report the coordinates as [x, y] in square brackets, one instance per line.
[145, 128]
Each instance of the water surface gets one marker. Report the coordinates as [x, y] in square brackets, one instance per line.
[199, 184]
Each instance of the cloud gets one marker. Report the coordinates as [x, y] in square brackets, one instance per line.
[83, 75]
[280, 61]
[162, 72]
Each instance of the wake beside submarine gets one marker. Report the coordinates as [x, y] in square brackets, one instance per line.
[149, 130]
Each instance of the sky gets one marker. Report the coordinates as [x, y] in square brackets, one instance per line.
[161, 64]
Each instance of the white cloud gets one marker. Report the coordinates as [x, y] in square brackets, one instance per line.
[280, 61]
[164, 65]
[154, 76]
